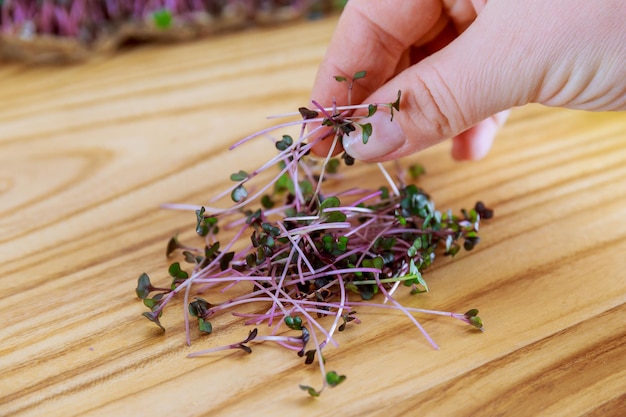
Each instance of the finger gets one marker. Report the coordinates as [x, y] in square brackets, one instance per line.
[461, 12]
[476, 142]
[445, 35]
[486, 70]
[371, 36]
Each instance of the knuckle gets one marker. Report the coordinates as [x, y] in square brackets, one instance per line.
[434, 105]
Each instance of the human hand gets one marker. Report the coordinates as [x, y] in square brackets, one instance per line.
[460, 64]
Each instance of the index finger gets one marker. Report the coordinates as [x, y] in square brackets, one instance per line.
[371, 36]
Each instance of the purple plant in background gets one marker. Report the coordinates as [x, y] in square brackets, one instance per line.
[46, 26]
[302, 259]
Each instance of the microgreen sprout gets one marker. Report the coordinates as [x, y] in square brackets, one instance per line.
[357, 76]
[305, 258]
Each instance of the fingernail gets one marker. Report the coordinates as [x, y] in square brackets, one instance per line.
[387, 136]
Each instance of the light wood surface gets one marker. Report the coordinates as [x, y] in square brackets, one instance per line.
[89, 152]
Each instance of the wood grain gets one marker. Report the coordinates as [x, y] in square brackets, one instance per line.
[89, 152]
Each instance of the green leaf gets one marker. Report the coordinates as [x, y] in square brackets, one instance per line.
[252, 334]
[309, 356]
[453, 250]
[154, 317]
[396, 104]
[359, 75]
[288, 140]
[210, 251]
[386, 243]
[376, 262]
[270, 229]
[239, 194]
[284, 183]
[191, 258]
[333, 379]
[175, 271]
[293, 322]
[352, 287]
[162, 18]
[332, 166]
[201, 227]
[468, 245]
[311, 391]
[340, 78]
[473, 216]
[379, 263]
[172, 245]
[366, 132]
[420, 280]
[199, 308]
[244, 348]
[144, 287]
[346, 127]
[306, 188]
[368, 291]
[239, 176]
[253, 217]
[347, 318]
[342, 243]
[335, 217]
[225, 260]
[251, 260]
[330, 202]
[153, 302]
[471, 313]
[308, 113]
[285, 143]
[371, 109]
[347, 159]
[416, 171]
[476, 322]
[267, 202]
[205, 326]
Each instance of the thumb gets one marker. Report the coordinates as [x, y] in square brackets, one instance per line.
[484, 71]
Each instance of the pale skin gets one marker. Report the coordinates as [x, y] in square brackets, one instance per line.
[462, 64]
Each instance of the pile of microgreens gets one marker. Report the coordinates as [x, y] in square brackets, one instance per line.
[308, 258]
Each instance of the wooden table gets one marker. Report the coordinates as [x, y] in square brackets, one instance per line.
[89, 152]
